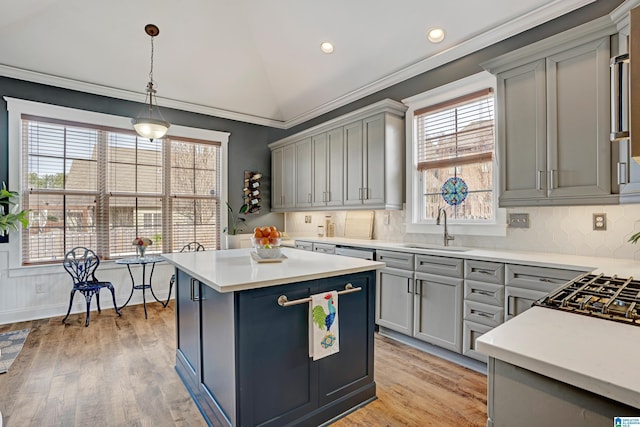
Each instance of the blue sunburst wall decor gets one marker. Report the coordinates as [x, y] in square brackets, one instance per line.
[454, 191]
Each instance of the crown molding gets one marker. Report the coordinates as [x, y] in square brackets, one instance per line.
[515, 26]
[47, 79]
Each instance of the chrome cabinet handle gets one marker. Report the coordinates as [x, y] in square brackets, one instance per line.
[360, 193]
[482, 314]
[481, 292]
[539, 180]
[309, 198]
[509, 313]
[328, 196]
[622, 173]
[366, 193]
[485, 272]
[546, 280]
[552, 174]
[194, 297]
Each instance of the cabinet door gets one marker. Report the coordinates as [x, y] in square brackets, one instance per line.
[522, 128]
[438, 311]
[578, 121]
[277, 180]
[471, 332]
[353, 161]
[188, 326]
[320, 163]
[394, 300]
[519, 300]
[352, 367]
[373, 167]
[335, 167]
[304, 173]
[289, 176]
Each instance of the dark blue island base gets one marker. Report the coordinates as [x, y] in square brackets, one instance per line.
[245, 359]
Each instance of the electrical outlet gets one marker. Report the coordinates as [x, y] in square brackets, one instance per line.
[40, 288]
[307, 219]
[599, 221]
[518, 220]
[387, 218]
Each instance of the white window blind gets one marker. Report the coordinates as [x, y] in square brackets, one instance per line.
[101, 187]
[456, 132]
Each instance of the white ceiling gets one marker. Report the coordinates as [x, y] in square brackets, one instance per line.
[253, 60]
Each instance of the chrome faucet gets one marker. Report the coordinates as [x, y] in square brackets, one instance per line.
[447, 236]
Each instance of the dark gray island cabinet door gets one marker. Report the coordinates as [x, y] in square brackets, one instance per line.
[279, 382]
[188, 326]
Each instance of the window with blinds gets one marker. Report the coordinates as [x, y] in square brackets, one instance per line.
[455, 139]
[102, 187]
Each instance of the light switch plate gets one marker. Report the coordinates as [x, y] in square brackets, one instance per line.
[518, 220]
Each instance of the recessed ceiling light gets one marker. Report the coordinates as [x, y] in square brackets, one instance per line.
[436, 35]
[326, 47]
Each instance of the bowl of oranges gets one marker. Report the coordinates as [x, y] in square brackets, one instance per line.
[266, 240]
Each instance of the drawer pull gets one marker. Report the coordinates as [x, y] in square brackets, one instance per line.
[194, 297]
[546, 280]
[482, 314]
[485, 272]
[481, 292]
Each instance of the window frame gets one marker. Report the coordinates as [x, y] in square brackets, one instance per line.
[414, 223]
[17, 107]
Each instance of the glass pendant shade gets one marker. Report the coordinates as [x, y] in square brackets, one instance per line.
[150, 128]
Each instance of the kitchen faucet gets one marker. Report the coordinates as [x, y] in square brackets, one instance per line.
[447, 236]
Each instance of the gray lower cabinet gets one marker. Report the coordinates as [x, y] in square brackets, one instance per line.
[394, 299]
[438, 310]
[526, 284]
[483, 302]
[324, 248]
[305, 246]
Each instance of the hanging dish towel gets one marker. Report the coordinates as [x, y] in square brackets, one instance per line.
[323, 325]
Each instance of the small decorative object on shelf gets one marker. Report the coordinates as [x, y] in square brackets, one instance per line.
[252, 191]
[141, 244]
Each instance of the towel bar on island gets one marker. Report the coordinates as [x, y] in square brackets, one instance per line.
[283, 301]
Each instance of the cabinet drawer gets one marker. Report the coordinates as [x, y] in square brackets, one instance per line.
[305, 246]
[324, 248]
[486, 293]
[484, 314]
[400, 260]
[484, 271]
[471, 332]
[443, 266]
[541, 279]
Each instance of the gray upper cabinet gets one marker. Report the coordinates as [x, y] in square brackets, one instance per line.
[355, 161]
[553, 119]
[327, 174]
[304, 175]
[283, 173]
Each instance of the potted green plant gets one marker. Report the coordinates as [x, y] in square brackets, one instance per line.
[237, 223]
[9, 217]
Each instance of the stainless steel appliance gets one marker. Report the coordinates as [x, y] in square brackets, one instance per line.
[610, 298]
[364, 253]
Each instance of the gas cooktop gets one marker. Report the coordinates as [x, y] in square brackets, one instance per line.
[610, 298]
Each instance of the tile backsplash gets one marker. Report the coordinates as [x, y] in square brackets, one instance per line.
[559, 229]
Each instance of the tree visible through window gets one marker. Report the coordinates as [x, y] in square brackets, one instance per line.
[455, 146]
[102, 187]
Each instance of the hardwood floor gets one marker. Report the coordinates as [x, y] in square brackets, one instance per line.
[120, 372]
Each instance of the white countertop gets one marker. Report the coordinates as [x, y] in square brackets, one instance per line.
[608, 266]
[234, 270]
[597, 355]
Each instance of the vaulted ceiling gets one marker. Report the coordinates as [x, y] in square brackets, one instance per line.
[253, 60]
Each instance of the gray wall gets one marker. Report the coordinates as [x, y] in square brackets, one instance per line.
[247, 143]
[463, 67]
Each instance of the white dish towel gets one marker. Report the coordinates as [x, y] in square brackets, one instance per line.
[324, 329]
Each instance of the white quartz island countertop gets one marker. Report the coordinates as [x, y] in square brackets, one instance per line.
[598, 355]
[234, 270]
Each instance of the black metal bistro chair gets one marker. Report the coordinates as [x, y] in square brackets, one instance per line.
[189, 247]
[81, 263]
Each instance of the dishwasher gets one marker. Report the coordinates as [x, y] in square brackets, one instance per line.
[364, 253]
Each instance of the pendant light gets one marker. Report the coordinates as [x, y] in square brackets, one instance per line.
[146, 125]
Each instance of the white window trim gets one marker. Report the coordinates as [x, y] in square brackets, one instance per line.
[444, 93]
[17, 107]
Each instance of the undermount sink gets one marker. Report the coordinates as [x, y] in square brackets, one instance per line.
[435, 247]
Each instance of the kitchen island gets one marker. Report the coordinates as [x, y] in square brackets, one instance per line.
[549, 367]
[245, 358]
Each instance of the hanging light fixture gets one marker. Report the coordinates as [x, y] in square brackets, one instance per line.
[145, 124]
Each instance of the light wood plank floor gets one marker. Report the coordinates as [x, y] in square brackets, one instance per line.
[120, 372]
